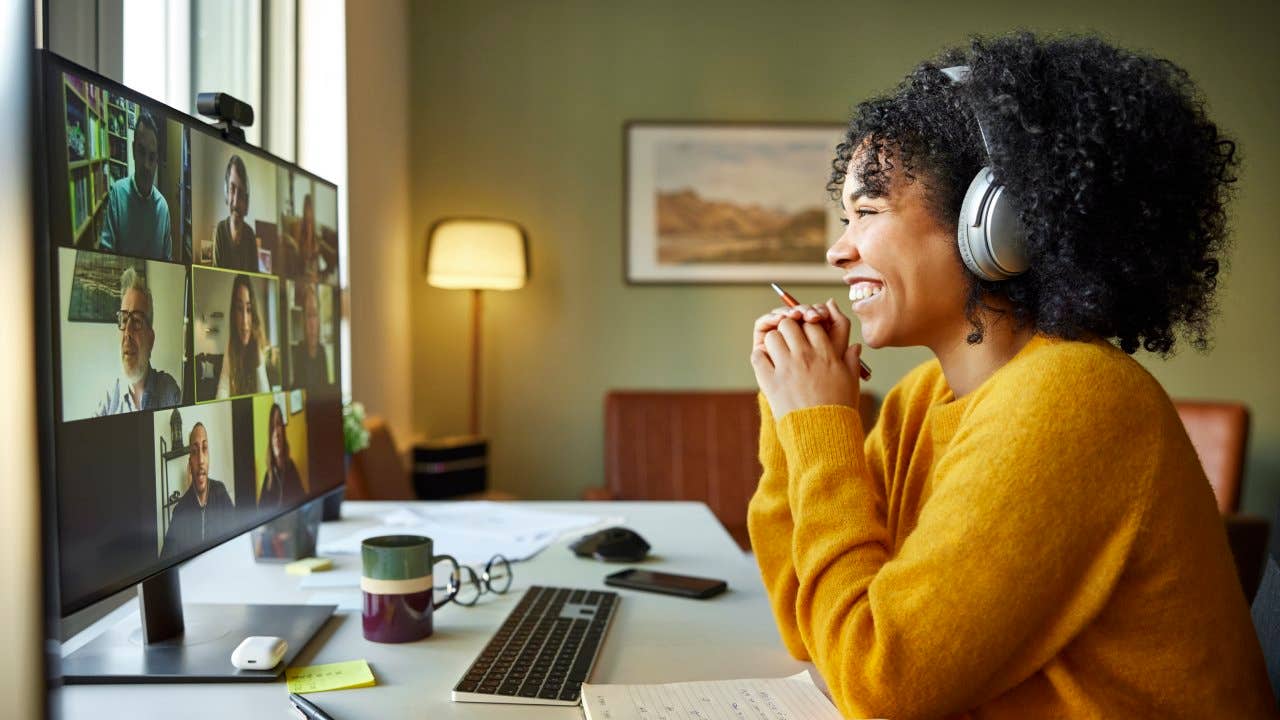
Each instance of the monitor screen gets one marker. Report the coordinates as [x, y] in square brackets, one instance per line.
[195, 334]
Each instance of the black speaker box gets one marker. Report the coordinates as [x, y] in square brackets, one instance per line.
[449, 467]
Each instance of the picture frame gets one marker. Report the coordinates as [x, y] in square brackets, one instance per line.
[95, 286]
[728, 202]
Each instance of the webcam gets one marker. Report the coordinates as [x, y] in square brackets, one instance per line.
[231, 114]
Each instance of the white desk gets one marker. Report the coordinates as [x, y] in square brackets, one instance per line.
[653, 638]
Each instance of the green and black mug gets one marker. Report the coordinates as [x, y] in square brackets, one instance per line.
[398, 587]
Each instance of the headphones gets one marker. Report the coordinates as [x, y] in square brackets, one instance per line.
[993, 243]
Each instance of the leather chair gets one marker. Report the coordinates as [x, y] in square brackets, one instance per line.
[378, 472]
[1247, 536]
[1266, 621]
[673, 445]
[1220, 432]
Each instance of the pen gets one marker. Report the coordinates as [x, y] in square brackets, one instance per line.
[864, 371]
[308, 708]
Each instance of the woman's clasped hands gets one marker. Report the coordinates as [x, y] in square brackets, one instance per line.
[802, 358]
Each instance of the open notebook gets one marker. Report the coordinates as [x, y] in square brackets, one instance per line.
[790, 698]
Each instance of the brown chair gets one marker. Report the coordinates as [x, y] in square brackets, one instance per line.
[688, 446]
[1266, 620]
[1220, 432]
[1247, 536]
[379, 472]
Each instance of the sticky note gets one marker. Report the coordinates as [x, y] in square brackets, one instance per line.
[306, 566]
[333, 676]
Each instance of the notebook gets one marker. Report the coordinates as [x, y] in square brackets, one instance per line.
[790, 698]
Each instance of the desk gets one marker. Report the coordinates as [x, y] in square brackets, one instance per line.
[653, 638]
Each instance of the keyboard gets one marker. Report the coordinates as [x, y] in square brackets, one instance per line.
[544, 650]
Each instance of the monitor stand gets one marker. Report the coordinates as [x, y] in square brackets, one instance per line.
[174, 643]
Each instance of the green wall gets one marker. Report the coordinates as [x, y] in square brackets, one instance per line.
[517, 111]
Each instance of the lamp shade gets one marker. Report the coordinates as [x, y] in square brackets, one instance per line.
[476, 254]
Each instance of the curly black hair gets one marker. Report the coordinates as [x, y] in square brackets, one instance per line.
[1119, 177]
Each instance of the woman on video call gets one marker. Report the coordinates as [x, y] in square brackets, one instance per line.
[308, 246]
[310, 364]
[244, 367]
[1026, 531]
[281, 483]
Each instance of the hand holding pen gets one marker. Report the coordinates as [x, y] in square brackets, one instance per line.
[802, 358]
[823, 315]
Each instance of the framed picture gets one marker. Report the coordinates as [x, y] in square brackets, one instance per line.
[95, 286]
[729, 202]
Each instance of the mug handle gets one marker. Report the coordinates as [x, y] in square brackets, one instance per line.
[456, 586]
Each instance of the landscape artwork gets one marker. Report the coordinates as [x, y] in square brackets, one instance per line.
[95, 286]
[730, 203]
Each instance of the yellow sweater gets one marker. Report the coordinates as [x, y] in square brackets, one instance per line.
[1046, 546]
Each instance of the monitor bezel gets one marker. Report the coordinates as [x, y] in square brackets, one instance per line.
[50, 67]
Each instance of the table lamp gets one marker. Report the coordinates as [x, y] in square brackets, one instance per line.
[477, 254]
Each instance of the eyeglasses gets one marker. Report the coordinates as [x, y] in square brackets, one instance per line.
[495, 578]
[134, 320]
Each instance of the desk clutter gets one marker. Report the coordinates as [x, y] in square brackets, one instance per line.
[649, 638]
[473, 532]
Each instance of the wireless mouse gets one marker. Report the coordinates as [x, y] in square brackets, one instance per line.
[615, 544]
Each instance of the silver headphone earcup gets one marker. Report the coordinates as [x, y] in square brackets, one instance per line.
[991, 239]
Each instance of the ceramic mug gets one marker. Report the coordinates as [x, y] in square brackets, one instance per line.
[396, 581]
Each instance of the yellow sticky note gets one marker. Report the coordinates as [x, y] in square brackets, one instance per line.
[306, 566]
[333, 676]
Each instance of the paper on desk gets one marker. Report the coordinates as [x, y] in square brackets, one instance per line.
[791, 698]
[498, 519]
[473, 532]
[333, 676]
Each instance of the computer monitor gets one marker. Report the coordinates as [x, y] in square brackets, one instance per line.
[192, 348]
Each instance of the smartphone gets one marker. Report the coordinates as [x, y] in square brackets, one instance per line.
[667, 583]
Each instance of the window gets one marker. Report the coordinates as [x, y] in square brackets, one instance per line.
[283, 57]
[226, 52]
[174, 49]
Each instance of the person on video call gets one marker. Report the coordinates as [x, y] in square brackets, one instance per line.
[1026, 530]
[205, 511]
[308, 241]
[281, 483]
[310, 364]
[244, 366]
[137, 218]
[140, 386]
[235, 243]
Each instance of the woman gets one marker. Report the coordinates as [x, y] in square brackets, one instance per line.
[308, 245]
[310, 364]
[281, 483]
[244, 367]
[1026, 531]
